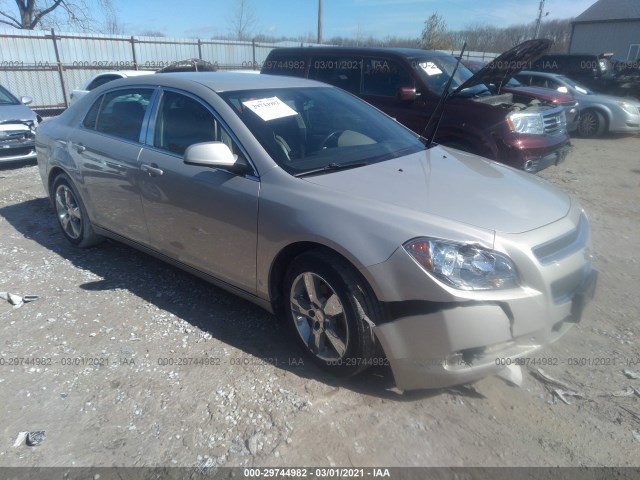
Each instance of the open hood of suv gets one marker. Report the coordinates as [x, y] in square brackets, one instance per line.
[500, 70]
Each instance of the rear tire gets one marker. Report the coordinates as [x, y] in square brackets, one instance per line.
[72, 214]
[591, 124]
[329, 307]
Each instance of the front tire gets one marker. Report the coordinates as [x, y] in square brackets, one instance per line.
[591, 124]
[329, 308]
[72, 214]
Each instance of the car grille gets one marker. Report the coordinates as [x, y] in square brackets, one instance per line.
[16, 152]
[563, 290]
[565, 245]
[554, 123]
[17, 136]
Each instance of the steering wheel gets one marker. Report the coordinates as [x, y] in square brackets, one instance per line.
[331, 138]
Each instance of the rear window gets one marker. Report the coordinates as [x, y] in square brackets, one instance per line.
[340, 71]
[101, 80]
[290, 65]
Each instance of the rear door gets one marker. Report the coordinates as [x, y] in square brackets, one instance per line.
[106, 147]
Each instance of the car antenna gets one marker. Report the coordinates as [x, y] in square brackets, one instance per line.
[439, 110]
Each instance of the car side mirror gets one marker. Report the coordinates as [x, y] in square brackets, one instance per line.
[407, 94]
[215, 155]
[26, 100]
[563, 89]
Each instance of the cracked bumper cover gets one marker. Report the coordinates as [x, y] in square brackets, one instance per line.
[451, 337]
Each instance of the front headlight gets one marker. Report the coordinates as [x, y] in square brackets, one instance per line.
[629, 108]
[467, 267]
[525, 123]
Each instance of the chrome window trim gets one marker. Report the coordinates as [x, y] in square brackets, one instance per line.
[149, 137]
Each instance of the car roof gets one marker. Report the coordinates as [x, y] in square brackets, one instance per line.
[221, 81]
[395, 52]
[125, 73]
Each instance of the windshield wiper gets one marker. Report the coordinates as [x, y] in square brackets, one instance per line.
[332, 167]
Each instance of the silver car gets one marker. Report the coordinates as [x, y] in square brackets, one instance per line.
[17, 128]
[314, 205]
[599, 113]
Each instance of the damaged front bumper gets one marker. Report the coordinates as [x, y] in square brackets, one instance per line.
[17, 142]
[439, 342]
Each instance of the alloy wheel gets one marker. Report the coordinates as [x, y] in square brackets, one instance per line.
[69, 213]
[319, 317]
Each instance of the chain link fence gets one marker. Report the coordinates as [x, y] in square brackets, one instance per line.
[47, 66]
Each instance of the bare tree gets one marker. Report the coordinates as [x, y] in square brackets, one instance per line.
[243, 20]
[77, 14]
[560, 32]
[434, 35]
[112, 24]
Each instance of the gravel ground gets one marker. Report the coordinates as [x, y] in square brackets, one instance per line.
[126, 361]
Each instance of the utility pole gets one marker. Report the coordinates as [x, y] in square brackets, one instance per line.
[539, 21]
[319, 21]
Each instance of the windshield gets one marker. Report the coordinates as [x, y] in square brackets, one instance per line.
[513, 83]
[580, 88]
[437, 70]
[306, 129]
[6, 98]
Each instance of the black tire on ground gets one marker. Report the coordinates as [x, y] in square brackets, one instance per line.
[591, 124]
[329, 307]
[72, 214]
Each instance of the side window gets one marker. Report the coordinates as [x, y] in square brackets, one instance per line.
[101, 80]
[524, 80]
[291, 65]
[122, 113]
[92, 115]
[384, 77]
[183, 121]
[539, 82]
[553, 84]
[342, 72]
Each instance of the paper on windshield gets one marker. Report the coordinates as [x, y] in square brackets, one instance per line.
[430, 68]
[269, 108]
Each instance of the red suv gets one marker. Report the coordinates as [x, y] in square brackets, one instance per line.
[408, 83]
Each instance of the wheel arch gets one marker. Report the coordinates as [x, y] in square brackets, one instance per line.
[284, 258]
[53, 174]
[602, 110]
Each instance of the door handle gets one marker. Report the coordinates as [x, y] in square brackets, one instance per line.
[80, 148]
[152, 169]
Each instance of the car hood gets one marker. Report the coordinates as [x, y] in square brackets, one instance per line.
[19, 113]
[459, 186]
[539, 92]
[609, 99]
[500, 70]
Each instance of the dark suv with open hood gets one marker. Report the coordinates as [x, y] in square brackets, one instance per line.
[407, 85]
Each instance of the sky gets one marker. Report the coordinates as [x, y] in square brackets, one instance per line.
[346, 18]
